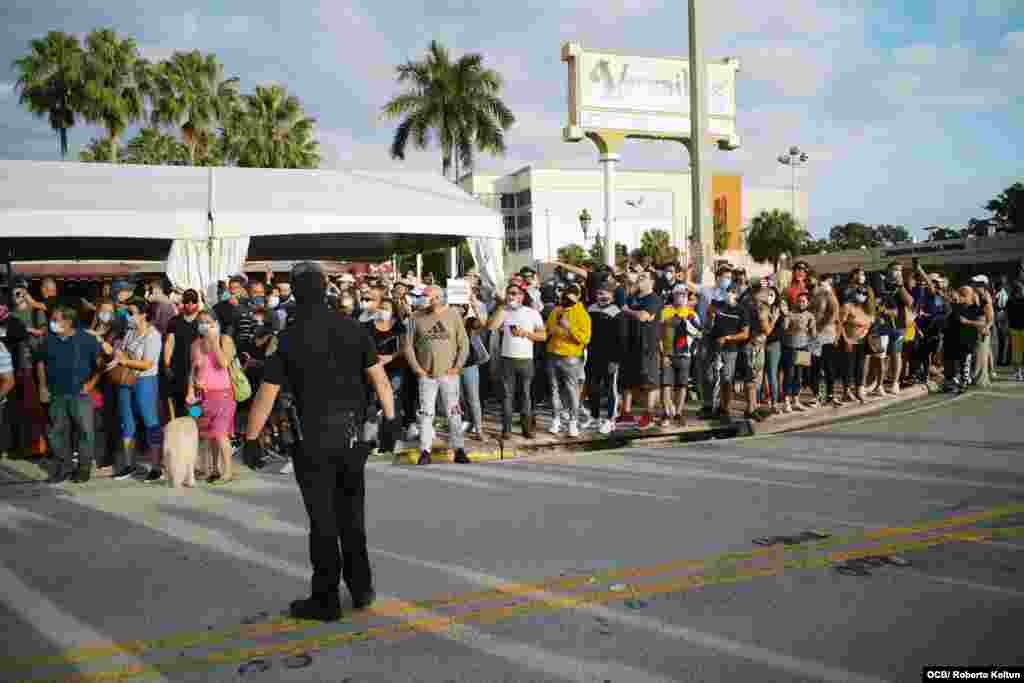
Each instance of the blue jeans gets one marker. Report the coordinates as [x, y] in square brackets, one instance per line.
[471, 394]
[793, 373]
[141, 399]
[772, 359]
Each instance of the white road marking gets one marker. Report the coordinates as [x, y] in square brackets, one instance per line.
[432, 474]
[554, 480]
[17, 518]
[966, 583]
[63, 629]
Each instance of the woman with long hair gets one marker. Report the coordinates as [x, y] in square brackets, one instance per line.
[107, 333]
[30, 414]
[855, 320]
[210, 386]
[777, 309]
[825, 305]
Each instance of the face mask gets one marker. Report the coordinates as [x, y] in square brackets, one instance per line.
[105, 316]
[273, 302]
[514, 305]
[679, 299]
[724, 282]
[860, 297]
[604, 300]
[132, 323]
[383, 316]
[570, 276]
[204, 329]
[258, 301]
[56, 327]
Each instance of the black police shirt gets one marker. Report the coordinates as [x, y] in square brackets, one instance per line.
[323, 358]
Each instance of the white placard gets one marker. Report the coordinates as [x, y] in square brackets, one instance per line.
[458, 292]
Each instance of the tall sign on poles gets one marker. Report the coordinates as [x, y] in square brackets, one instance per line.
[613, 97]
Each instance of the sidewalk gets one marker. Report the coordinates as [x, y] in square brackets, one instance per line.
[490, 447]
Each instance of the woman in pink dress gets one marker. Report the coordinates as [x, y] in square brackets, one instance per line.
[210, 386]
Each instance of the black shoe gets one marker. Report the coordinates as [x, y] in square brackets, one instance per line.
[461, 457]
[424, 458]
[125, 473]
[155, 475]
[83, 474]
[316, 609]
[365, 600]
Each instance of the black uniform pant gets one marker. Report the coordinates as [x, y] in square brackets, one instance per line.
[333, 489]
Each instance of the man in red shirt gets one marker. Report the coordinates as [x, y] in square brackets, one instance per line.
[799, 284]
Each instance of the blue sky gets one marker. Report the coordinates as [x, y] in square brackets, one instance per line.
[911, 111]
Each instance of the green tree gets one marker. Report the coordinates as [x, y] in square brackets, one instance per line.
[271, 130]
[191, 95]
[817, 247]
[574, 255]
[155, 148]
[114, 77]
[936, 233]
[459, 101]
[657, 244]
[1008, 209]
[893, 234]
[101, 150]
[597, 251]
[50, 82]
[721, 235]
[772, 234]
[854, 236]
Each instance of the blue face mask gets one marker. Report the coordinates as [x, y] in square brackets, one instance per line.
[225, 295]
[258, 301]
[724, 282]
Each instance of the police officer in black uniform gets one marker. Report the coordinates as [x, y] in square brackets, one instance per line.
[328, 362]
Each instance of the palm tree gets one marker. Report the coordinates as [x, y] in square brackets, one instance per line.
[114, 95]
[272, 131]
[457, 100]
[155, 148]
[102, 150]
[191, 95]
[772, 234]
[50, 82]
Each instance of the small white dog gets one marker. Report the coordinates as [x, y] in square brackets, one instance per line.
[181, 451]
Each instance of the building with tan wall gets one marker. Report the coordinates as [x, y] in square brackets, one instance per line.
[541, 207]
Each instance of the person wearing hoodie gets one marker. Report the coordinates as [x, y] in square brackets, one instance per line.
[568, 330]
[607, 350]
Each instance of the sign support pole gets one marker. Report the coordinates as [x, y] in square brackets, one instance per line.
[608, 144]
[700, 175]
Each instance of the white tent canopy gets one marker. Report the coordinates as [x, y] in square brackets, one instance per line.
[206, 222]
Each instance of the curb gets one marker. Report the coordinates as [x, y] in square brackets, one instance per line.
[739, 428]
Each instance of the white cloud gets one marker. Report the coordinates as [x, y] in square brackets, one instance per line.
[156, 53]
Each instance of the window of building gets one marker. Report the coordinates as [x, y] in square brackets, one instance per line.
[508, 200]
[523, 199]
[510, 233]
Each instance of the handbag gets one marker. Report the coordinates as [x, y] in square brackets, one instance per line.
[874, 342]
[239, 382]
[122, 376]
[802, 359]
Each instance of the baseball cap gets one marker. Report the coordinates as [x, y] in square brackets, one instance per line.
[980, 279]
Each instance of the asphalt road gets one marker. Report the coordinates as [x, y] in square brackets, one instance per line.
[558, 568]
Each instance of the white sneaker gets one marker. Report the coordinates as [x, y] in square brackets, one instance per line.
[798, 407]
[574, 429]
[465, 426]
[894, 389]
[606, 427]
[586, 421]
[556, 426]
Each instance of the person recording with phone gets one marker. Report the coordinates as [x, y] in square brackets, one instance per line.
[520, 327]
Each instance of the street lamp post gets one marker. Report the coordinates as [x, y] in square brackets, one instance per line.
[795, 159]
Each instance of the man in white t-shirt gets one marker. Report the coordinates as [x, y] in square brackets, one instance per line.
[520, 328]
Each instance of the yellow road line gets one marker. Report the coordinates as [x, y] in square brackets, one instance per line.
[441, 624]
[395, 608]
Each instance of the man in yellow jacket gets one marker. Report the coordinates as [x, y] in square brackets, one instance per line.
[568, 329]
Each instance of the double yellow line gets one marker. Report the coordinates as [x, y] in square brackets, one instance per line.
[727, 568]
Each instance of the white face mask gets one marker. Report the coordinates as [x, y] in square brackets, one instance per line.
[105, 316]
[384, 316]
[273, 302]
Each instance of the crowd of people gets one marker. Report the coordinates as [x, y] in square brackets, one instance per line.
[94, 380]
